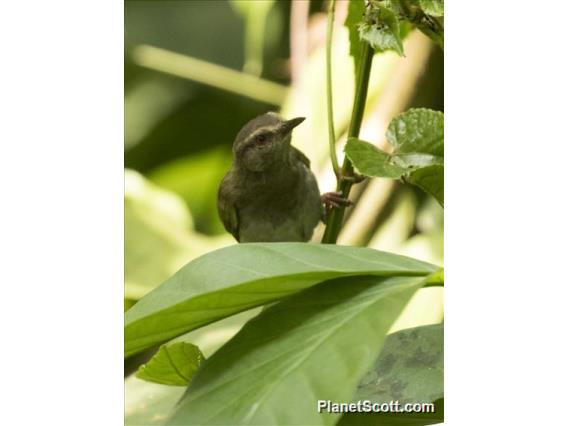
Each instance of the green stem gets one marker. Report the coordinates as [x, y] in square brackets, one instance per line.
[335, 219]
[331, 130]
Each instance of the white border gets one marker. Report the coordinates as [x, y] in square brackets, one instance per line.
[61, 173]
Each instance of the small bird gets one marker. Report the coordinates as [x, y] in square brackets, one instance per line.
[270, 194]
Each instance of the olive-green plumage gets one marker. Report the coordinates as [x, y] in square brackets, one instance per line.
[270, 193]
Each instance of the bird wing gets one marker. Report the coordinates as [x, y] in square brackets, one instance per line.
[301, 156]
[227, 209]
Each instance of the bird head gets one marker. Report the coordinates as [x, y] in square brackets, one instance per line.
[264, 142]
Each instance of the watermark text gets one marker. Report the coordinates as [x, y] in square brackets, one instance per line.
[367, 406]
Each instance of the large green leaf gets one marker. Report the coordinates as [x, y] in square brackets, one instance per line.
[174, 364]
[236, 278]
[314, 346]
[410, 368]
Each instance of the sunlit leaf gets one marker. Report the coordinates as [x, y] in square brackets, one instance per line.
[236, 278]
[157, 226]
[415, 159]
[174, 364]
[314, 346]
[158, 235]
[417, 130]
[371, 161]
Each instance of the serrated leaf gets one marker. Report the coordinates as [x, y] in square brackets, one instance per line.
[432, 7]
[431, 180]
[173, 364]
[314, 346]
[418, 130]
[417, 136]
[381, 30]
[371, 161]
[236, 278]
[418, 140]
[355, 14]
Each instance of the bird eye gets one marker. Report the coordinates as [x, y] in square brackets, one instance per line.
[261, 138]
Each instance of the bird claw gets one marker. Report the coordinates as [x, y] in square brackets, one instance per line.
[335, 199]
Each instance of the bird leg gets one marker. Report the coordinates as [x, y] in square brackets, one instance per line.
[335, 199]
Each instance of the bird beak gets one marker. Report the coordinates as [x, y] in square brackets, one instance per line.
[287, 126]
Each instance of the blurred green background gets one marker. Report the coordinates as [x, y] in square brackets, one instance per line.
[195, 72]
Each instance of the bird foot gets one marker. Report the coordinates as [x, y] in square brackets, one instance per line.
[335, 199]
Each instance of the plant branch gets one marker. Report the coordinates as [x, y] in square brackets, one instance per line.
[393, 100]
[335, 219]
[330, 128]
[204, 72]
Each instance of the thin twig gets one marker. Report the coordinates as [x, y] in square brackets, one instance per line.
[204, 72]
[330, 128]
